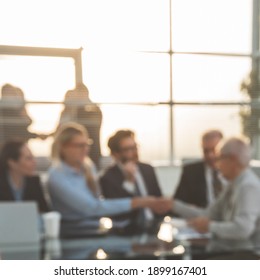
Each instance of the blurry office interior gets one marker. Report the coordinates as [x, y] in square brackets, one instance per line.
[166, 69]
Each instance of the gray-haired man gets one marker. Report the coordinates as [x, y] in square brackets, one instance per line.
[236, 213]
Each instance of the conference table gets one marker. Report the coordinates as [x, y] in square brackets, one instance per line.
[147, 244]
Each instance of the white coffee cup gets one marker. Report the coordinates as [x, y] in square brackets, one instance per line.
[52, 248]
[51, 224]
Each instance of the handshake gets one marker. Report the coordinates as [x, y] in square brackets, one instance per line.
[159, 205]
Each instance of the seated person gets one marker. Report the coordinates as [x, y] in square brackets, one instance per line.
[73, 190]
[18, 181]
[200, 182]
[129, 177]
[236, 213]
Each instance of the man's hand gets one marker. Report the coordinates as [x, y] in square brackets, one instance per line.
[158, 205]
[161, 205]
[130, 169]
[201, 224]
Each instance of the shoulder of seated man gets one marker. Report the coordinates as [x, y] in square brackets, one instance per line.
[193, 165]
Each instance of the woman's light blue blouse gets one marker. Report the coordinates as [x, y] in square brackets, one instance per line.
[71, 196]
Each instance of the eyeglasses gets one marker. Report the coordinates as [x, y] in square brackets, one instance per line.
[82, 145]
[207, 150]
[221, 157]
[129, 148]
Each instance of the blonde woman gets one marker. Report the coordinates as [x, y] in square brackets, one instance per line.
[72, 188]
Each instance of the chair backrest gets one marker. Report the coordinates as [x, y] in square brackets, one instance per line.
[168, 177]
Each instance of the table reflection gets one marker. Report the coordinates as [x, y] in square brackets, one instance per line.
[162, 243]
[147, 246]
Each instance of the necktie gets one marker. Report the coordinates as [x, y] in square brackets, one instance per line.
[145, 216]
[217, 186]
[227, 211]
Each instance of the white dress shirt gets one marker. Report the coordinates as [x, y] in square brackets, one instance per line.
[142, 190]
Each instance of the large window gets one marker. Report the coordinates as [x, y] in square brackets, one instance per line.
[152, 65]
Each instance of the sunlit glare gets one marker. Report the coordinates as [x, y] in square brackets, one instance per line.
[105, 224]
[167, 232]
[101, 254]
[115, 36]
[167, 219]
[178, 250]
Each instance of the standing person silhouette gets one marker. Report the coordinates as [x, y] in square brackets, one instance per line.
[14, 119]
[79, 108]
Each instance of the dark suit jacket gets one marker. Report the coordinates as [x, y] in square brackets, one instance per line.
[32, 192]
[192, 187]
[111, 184]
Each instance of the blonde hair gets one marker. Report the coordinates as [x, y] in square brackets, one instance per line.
[64, 135]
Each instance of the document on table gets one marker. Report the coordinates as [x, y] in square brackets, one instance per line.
[185, 232]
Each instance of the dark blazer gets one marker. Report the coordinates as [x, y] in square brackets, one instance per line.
[192, 187]
[111, 183]
[32, 192]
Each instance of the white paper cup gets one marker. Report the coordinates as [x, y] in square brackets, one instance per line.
[51, 224]
[52, 248]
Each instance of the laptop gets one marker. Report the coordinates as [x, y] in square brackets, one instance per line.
[19, 223]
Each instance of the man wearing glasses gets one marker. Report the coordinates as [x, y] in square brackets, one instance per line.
[129, 177]
[236, 213]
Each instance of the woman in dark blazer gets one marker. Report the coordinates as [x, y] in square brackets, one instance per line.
[18, 181]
